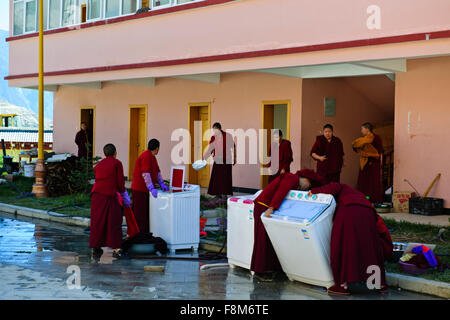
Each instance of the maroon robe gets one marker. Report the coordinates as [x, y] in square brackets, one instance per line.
[264, 257]
[284, 158]
[221, 181]
[141, 209]
[145, 163]
[369, 179]
[81, 139]
[106, 211]
[331, 168]
[356, 242]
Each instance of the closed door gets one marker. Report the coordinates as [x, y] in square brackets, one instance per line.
[198, 125]
[138, 135]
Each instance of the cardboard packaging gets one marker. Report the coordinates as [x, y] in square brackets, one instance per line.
[400, 201]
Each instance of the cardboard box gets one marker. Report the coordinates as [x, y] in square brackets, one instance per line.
[400, 201]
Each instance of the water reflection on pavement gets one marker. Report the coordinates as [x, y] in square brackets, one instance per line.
[35, 255]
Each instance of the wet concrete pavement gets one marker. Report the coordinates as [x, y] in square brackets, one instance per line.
[35, 256]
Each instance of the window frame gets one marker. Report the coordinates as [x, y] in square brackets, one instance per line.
[24, 17]
[121, 14]
[77, 13]
[138, 6]
[152, 7]
[101, 13]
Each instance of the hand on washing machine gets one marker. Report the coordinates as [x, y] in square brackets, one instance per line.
[161, 182]
[268, 212]
[154, 192]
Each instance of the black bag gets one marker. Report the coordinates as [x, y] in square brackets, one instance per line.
[145, 238]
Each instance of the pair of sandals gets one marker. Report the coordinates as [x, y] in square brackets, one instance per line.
[120, 254]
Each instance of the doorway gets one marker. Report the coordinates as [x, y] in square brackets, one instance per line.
[137, 135]
[275, 115]
[199, 123]
[87, 115]
[83, 13]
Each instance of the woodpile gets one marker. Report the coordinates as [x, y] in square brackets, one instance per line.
[58, 177]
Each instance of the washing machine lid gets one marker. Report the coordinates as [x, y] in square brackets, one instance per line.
[301, 210]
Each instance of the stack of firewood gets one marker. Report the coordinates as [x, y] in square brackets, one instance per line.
[58, 174]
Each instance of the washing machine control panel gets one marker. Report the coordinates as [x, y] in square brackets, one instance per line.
[303, 196]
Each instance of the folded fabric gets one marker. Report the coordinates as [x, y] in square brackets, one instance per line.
[364, 147]
[407, 256]
[427, 253]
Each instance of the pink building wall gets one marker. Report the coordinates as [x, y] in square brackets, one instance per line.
[352, 109]
[235, 102]
[235, 27]
[422, 121]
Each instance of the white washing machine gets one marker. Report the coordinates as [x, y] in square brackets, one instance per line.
[240, 230]
[175, 215]
[300, 232]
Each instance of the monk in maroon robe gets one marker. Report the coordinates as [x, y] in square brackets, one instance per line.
[146, 174]
[264, 258]
[358, 238]
[370, 148]
[284, 154]
[81, 140]
[106, 212]
[329, 154]
[221, 147]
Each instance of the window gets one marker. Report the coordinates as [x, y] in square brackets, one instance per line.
[58, 13]
[18, 18]
[94, 9]
[24, 16]
[112, 8]
[160, 3]
[68, 12]
[54, 14]
[45, 14]
[30, 16]
[129, 6]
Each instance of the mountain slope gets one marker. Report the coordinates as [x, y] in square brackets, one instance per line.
[17, 96]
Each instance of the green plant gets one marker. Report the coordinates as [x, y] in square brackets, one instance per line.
[81, 177]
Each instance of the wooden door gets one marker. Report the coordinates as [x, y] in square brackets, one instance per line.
[203, 175]
[138, 136]
[198, 146]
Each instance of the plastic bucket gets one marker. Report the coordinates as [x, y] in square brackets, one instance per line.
[29, 170]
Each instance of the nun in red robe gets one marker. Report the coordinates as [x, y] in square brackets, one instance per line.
[221, 147]
[359, 238]
[146, 174]
[370, 148]
[284, 154]
[264, 258]
[329, 154]
[106, 211]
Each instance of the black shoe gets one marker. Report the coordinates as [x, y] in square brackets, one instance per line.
[121, 255]
[97, 253]
[265, 277]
